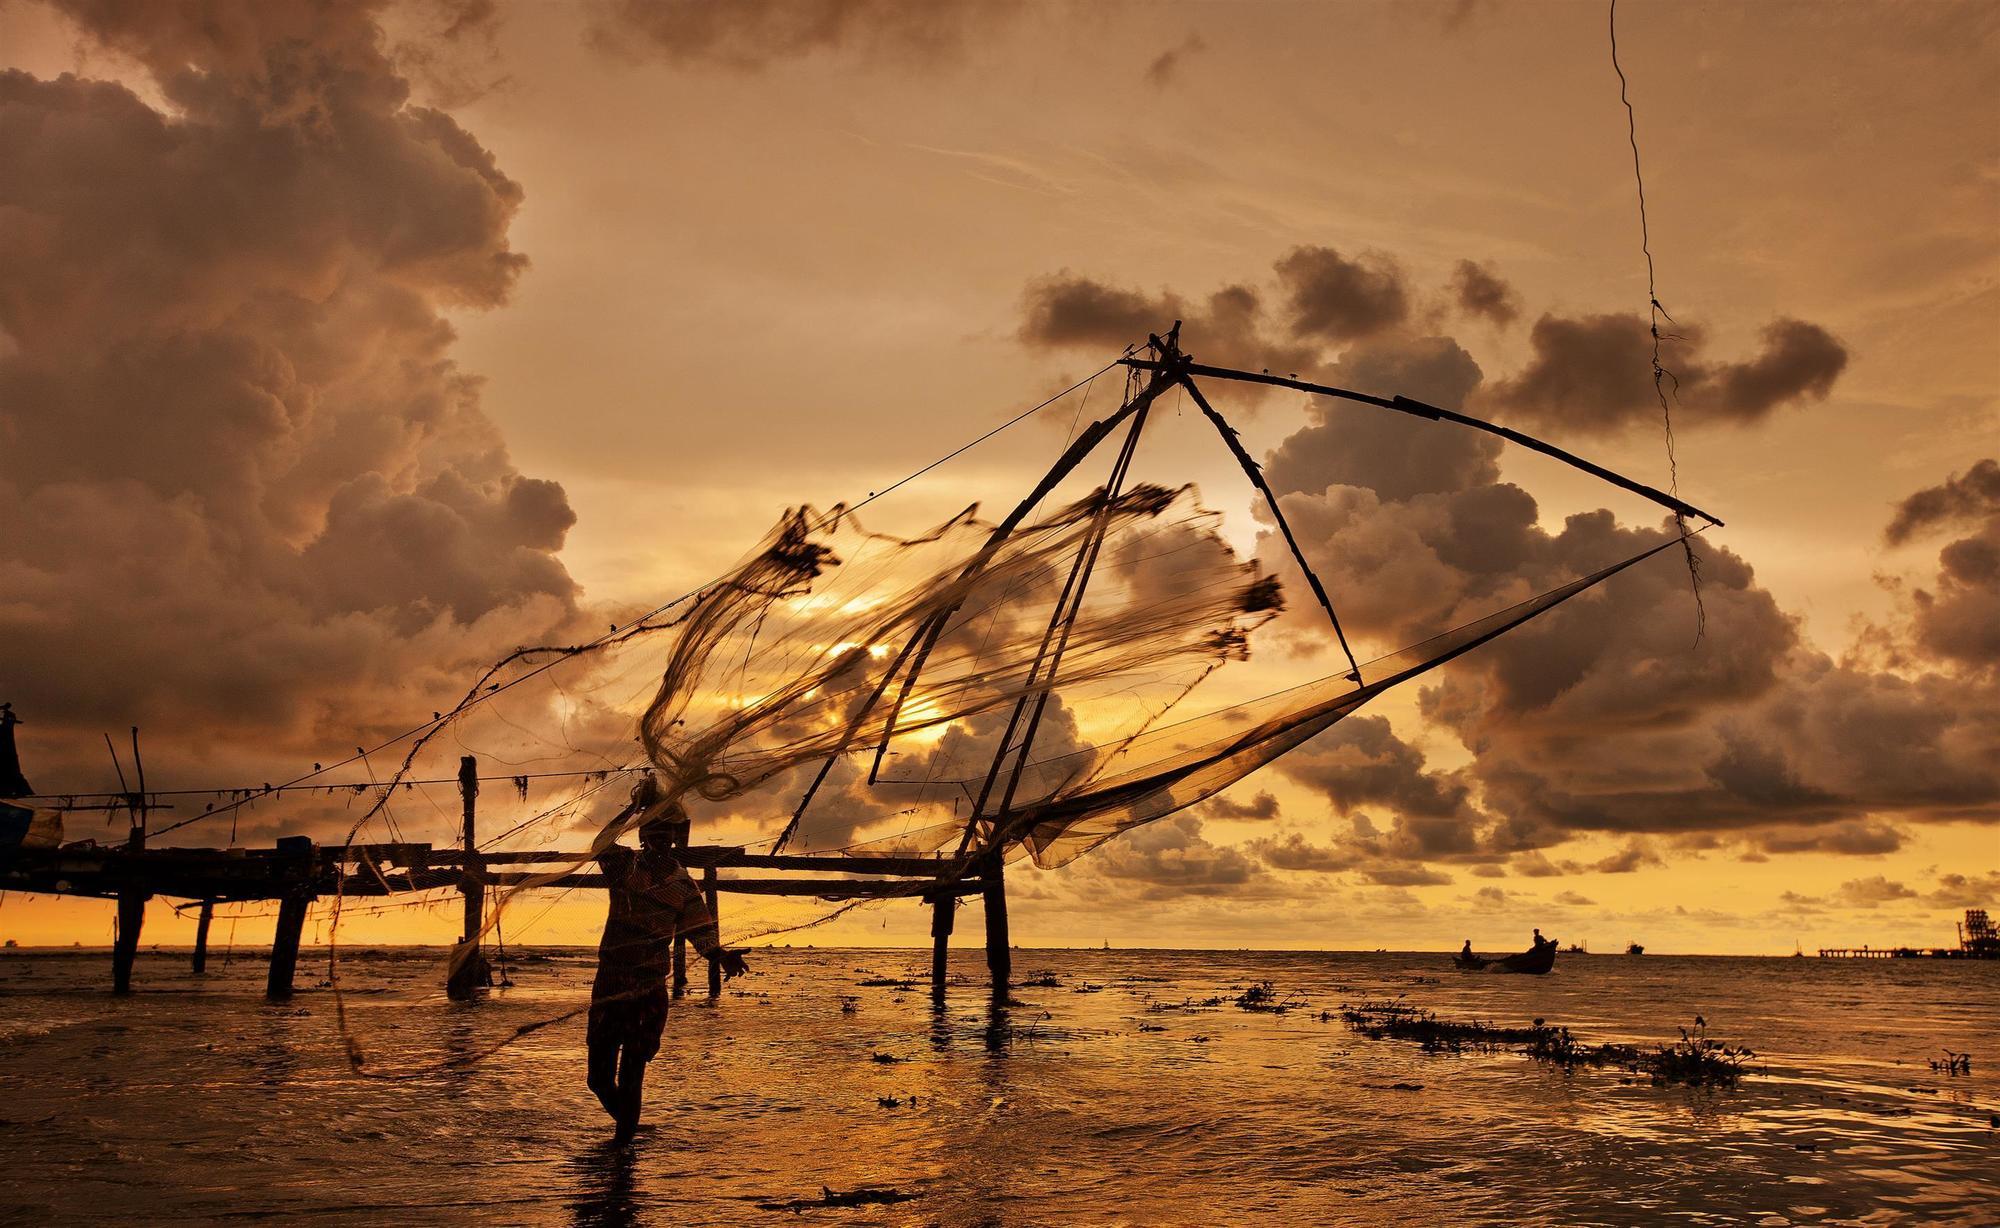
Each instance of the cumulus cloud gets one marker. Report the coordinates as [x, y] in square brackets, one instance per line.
[1334, 298]
[1172, 858]
[248, 489]
[748, 35]
[1592, 375]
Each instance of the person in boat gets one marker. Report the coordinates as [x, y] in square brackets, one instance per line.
[1465, 954]
[653, 900]
[1539, 940]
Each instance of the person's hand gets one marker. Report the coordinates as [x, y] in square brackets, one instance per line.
[731, 962]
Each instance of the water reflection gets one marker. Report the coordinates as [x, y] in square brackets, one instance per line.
[606, 1183]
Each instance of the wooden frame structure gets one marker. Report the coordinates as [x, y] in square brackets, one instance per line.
[295, 871]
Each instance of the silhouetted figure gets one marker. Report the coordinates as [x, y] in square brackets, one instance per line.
[652, 900]
[1539, 940]
[1465, 952]
[12, 783]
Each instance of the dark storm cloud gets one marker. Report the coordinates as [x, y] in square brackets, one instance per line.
[1478, 292]
[1332, 298]
[753, 34]
[1592, 375]
[247, 486]
[1961, 498]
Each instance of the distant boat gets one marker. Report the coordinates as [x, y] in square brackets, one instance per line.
[1576, 948]
[1635, 949]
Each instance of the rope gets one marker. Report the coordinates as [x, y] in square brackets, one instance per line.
[1655, 313]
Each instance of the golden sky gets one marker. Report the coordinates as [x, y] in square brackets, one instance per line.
[344, 349]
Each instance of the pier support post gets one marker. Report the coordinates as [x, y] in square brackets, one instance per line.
[712, 897]
[680, 966]
[125, 946]
[201, 937]
[285, 945]
[943, 907]
[469, 969]
[999, 960]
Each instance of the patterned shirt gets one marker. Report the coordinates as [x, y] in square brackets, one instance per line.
[652, 901]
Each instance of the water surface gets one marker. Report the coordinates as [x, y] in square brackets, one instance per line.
[194, 1101]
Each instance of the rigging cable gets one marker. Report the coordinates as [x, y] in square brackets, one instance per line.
[1655, 313]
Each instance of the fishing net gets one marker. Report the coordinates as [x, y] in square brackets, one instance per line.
[1029, 686]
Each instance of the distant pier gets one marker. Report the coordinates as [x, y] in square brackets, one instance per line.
[1976, 940]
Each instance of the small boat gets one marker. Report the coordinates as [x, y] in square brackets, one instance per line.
[1534, 962]
[1635, 949]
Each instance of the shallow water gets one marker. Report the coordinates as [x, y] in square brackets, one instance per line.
[194, 1101]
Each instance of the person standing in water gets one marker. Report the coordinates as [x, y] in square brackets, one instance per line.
[653, 901]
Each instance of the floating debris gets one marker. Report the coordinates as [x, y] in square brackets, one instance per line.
[1953, 1064]
[865, 1197]
[1695, 1060]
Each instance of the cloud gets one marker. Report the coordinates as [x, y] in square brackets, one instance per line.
[1332, 298]
[1965, 891]
[1070, 311]
[1172, 858]
[1166, 66]
[1294, 852]
[1479, 293]
[249, 492]
[1854, 837]
[1574, 900]
[1591, 375]
[1406, 876]
[1634, 856]
[749, 35]
[1262, 806]
[1960, 499]
[1872, 892]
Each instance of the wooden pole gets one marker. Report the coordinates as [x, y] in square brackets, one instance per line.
[131, 899]
[125, 946]
[469, 969]
[709, 892]
[680, 941]
[285, 945]
[999, 960]
[201, 937]
[943, 906]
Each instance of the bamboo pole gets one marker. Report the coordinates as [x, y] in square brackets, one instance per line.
[708, 892]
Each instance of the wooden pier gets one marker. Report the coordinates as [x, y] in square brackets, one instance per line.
[295, 872]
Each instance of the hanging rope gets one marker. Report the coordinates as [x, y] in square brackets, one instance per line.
[1655, 313]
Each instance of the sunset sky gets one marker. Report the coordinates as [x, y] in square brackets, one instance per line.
[345, 348]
